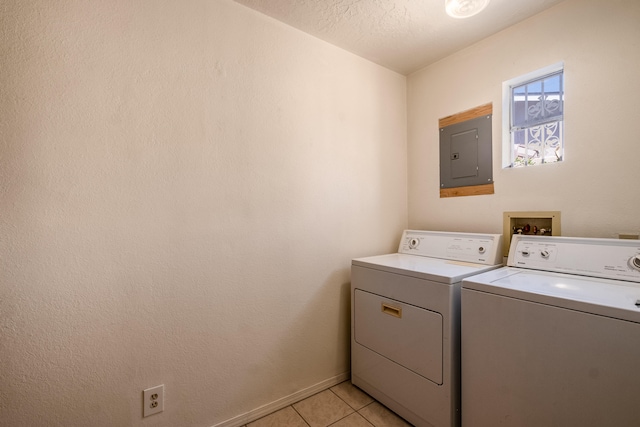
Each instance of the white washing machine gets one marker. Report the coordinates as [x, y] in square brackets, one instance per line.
[553, 339]
[405, 322]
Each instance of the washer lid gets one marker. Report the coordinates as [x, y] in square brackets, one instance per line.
[612, 298]
[434, 269]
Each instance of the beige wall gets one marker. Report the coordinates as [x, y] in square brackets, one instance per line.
[183, 185]
[182, 188]
[595, 188]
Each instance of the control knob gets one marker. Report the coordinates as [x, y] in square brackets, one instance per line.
[544, 254]
[482, 249]
[414, 242]
[634, 262]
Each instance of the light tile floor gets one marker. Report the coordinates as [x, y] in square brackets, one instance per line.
[343, 405]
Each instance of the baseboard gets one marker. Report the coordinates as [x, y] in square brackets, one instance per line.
[267, 409]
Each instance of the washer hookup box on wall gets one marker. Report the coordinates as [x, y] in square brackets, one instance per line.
[541, 223]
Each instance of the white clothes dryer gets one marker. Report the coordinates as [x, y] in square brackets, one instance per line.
[553, 339]
[405, 322]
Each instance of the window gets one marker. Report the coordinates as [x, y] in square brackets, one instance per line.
[533, 113]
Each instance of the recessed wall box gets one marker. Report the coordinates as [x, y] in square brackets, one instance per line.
[541, 223]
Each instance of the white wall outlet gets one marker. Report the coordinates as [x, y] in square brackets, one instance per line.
[153, 400]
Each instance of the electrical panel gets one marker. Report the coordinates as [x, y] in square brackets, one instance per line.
[465, 153]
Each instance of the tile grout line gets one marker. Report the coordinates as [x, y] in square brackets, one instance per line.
[355, 411]
[367, 419]
[346, 403]
[300, 415]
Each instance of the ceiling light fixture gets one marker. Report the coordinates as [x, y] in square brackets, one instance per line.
[464, 8]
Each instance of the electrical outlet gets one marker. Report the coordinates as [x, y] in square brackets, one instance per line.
[153, 400]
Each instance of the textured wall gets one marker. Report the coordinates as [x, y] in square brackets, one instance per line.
[182, 188]
[599, 42]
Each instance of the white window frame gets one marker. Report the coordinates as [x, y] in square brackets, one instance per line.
[506, 107]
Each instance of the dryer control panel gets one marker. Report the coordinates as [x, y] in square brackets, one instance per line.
[464, 247]
[604, 258]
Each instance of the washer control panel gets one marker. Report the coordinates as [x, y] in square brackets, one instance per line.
[606, 258]
[466, 247]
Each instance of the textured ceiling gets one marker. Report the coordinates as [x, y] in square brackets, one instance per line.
[403, 35]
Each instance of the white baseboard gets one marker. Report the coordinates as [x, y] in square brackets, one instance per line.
[267, 409]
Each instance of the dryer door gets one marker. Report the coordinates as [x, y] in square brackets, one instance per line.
[408, 335]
